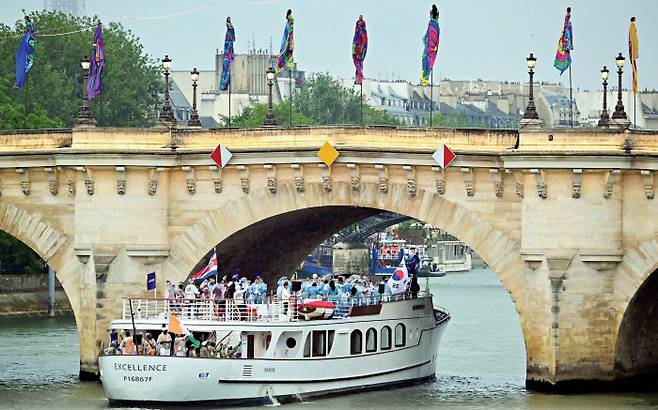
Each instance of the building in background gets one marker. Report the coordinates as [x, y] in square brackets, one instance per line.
[467, 103]
[646, 111]
[248, 85]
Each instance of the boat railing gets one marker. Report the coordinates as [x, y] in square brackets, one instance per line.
[271, 309]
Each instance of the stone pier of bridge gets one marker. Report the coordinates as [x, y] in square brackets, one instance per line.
[566, 219]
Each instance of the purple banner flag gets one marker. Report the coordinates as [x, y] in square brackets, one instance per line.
[94, 82]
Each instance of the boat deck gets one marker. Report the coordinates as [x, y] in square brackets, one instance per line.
[233, 310]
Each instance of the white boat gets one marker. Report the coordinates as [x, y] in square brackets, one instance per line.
[368, 343]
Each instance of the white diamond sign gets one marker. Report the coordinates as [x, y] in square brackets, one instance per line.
[444, 156]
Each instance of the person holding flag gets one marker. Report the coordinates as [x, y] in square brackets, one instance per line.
[563, 56]
[229, 39]
[633, 55]
[25, 54]
[94, 82]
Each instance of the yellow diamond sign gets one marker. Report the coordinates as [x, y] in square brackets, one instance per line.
[328, 154]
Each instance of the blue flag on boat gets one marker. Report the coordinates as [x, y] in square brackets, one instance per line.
[150, 281]
[25, 54]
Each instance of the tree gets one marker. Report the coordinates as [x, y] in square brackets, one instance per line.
[440, 120]
[131, 80]
[15, 115]
[254, 116]
[16, 257]
[325, 100]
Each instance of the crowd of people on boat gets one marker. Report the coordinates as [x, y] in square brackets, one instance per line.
[167, 344]
[235, 288]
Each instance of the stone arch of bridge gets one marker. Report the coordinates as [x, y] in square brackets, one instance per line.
[496, 248]
[45, 240]
[636, 332]
[54, 247]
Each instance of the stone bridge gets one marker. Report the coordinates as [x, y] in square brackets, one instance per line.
[566, 219]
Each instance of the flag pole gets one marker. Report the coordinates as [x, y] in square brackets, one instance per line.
[362, 103]
[431, 96]
[290, 97]
[635, 109]
[570, 98]
[229, 102]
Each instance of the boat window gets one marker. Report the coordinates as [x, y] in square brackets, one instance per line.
[371, 340]
[385, 338]
[356, 342]
[307, 346]
[400, 335]
[319, 343]
[330, 341]
[291, 342]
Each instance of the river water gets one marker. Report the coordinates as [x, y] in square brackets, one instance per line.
[481, 362]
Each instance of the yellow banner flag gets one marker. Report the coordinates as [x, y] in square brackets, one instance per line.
[175, 325]
[633, 53]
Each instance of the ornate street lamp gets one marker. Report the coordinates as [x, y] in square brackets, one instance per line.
[619, 113]
[194, 116]
[167, 114]
[84, 117]
[531, 110]
[269, 120]
[605, 118]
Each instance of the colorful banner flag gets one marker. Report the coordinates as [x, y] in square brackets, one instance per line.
[150, 281]
[209, 270]
[431, 43]
[287, 45]
[225, 80]
[633, 51]
[97, 62]
[565, 45]
[359, 48]
[25, 54]
[176, 326]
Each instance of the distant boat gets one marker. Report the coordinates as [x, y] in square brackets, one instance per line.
[312, 266]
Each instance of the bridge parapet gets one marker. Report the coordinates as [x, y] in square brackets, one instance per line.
[251, 139]
[391, 139]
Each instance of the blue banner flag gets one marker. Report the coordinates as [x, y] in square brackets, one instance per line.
[225, 80]
[25, 54]
[150, 281]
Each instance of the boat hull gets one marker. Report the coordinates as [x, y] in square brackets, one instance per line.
[143, 379]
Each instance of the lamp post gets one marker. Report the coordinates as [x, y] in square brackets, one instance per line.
[605, 118]
[531, 110]
[194, 116]
[269, 120]
[84, 117]
[619, 113]
[167, 114]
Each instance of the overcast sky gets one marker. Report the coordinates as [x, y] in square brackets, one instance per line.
[479, 38]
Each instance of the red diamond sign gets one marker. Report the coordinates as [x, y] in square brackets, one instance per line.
[444, 156]
[221, 155]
